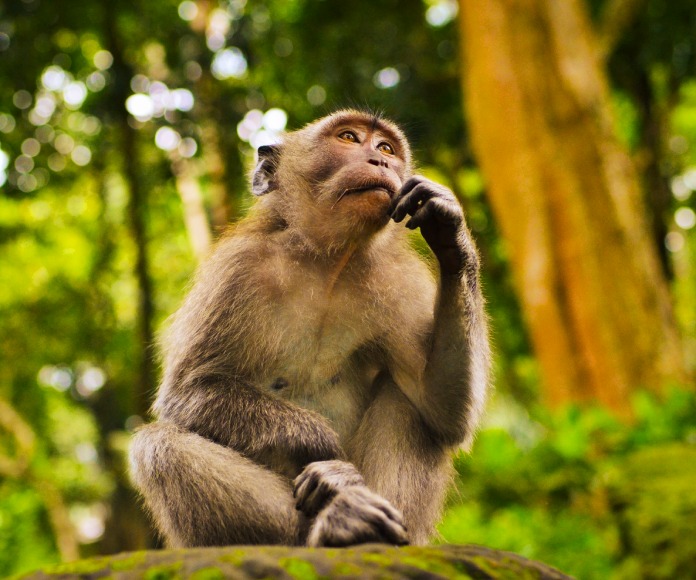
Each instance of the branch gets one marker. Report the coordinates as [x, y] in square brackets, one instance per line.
[20, 467]
[24, 438]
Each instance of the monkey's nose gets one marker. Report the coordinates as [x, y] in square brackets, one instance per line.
[378, 163]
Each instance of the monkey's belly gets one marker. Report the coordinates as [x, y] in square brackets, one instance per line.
[339, 405]
[341, 399]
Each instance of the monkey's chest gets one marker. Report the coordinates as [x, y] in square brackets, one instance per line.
[317, 361]
[318, 333]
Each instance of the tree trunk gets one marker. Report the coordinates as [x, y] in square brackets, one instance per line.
[195, 218]
[567, 200]
[136, 210]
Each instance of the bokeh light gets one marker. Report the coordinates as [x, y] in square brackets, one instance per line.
[188, 10]
[316, 95]
[167, 139]
[4, 162]
[258, 128]
[441, 13]
[387, 78]
[685, 218]
[229, 63]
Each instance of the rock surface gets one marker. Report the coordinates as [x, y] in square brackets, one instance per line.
[368, 561]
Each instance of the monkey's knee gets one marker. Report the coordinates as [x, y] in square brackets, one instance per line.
[148, 451]
[204, 494]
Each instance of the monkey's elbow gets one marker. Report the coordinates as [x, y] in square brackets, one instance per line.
[456, 430]
[455, 437]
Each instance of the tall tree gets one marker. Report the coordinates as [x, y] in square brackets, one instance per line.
[567, 199]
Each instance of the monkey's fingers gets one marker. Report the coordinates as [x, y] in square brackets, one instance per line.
[317, 498]
[389, 522]
[320, 481]
[340, 526]
[436, 208]
[410, 202]
[305, 484]
[411, 183]
[392, 513]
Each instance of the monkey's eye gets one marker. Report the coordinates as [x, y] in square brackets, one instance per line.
[348, 136]
[385, 147]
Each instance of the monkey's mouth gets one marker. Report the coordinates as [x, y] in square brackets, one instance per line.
[388, 188]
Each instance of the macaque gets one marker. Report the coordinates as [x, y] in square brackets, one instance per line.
[319, 374]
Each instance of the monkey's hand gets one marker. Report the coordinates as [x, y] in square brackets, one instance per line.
[319, 483]
[435, 209]
[356, 515]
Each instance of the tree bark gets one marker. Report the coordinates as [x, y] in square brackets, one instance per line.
[568, 202]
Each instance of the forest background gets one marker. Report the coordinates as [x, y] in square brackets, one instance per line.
[567, 128]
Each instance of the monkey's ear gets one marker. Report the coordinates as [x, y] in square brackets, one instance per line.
[263, 180]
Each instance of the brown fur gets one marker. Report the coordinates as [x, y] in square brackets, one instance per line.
[314, 340]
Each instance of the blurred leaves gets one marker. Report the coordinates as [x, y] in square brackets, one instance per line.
[587, 485]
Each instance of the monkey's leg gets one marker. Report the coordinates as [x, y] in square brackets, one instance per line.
[203, 494]
[400, 460]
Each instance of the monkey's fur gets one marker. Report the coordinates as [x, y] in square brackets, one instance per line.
[318, 375]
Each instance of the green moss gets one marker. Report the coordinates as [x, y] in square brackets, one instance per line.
[89, 566]
[298, 568]
[234, 557]
[505, 569]
[167, 572]
[128, 562]
[346, 569]
[435, 566]
[379, 559]
[210, 573]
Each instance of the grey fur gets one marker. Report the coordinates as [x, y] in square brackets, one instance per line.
[315, 347]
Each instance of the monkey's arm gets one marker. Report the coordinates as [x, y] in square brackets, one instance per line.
[266, 429]
[457, 359]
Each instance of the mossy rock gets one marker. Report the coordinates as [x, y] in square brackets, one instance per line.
[368, 561]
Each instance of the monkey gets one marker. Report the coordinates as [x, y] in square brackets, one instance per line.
[320, 373]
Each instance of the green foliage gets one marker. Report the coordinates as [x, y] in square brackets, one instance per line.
[24, 545]
[585, 484]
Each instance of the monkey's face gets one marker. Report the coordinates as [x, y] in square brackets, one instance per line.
[336, 178]
[358, 164]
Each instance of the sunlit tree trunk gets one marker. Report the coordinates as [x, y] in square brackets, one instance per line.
[567, 200]
[126, 527]
[195, 218]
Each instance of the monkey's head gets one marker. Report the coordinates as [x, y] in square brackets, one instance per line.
[336, 178]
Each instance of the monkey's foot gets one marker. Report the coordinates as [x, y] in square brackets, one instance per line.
[357, 516]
